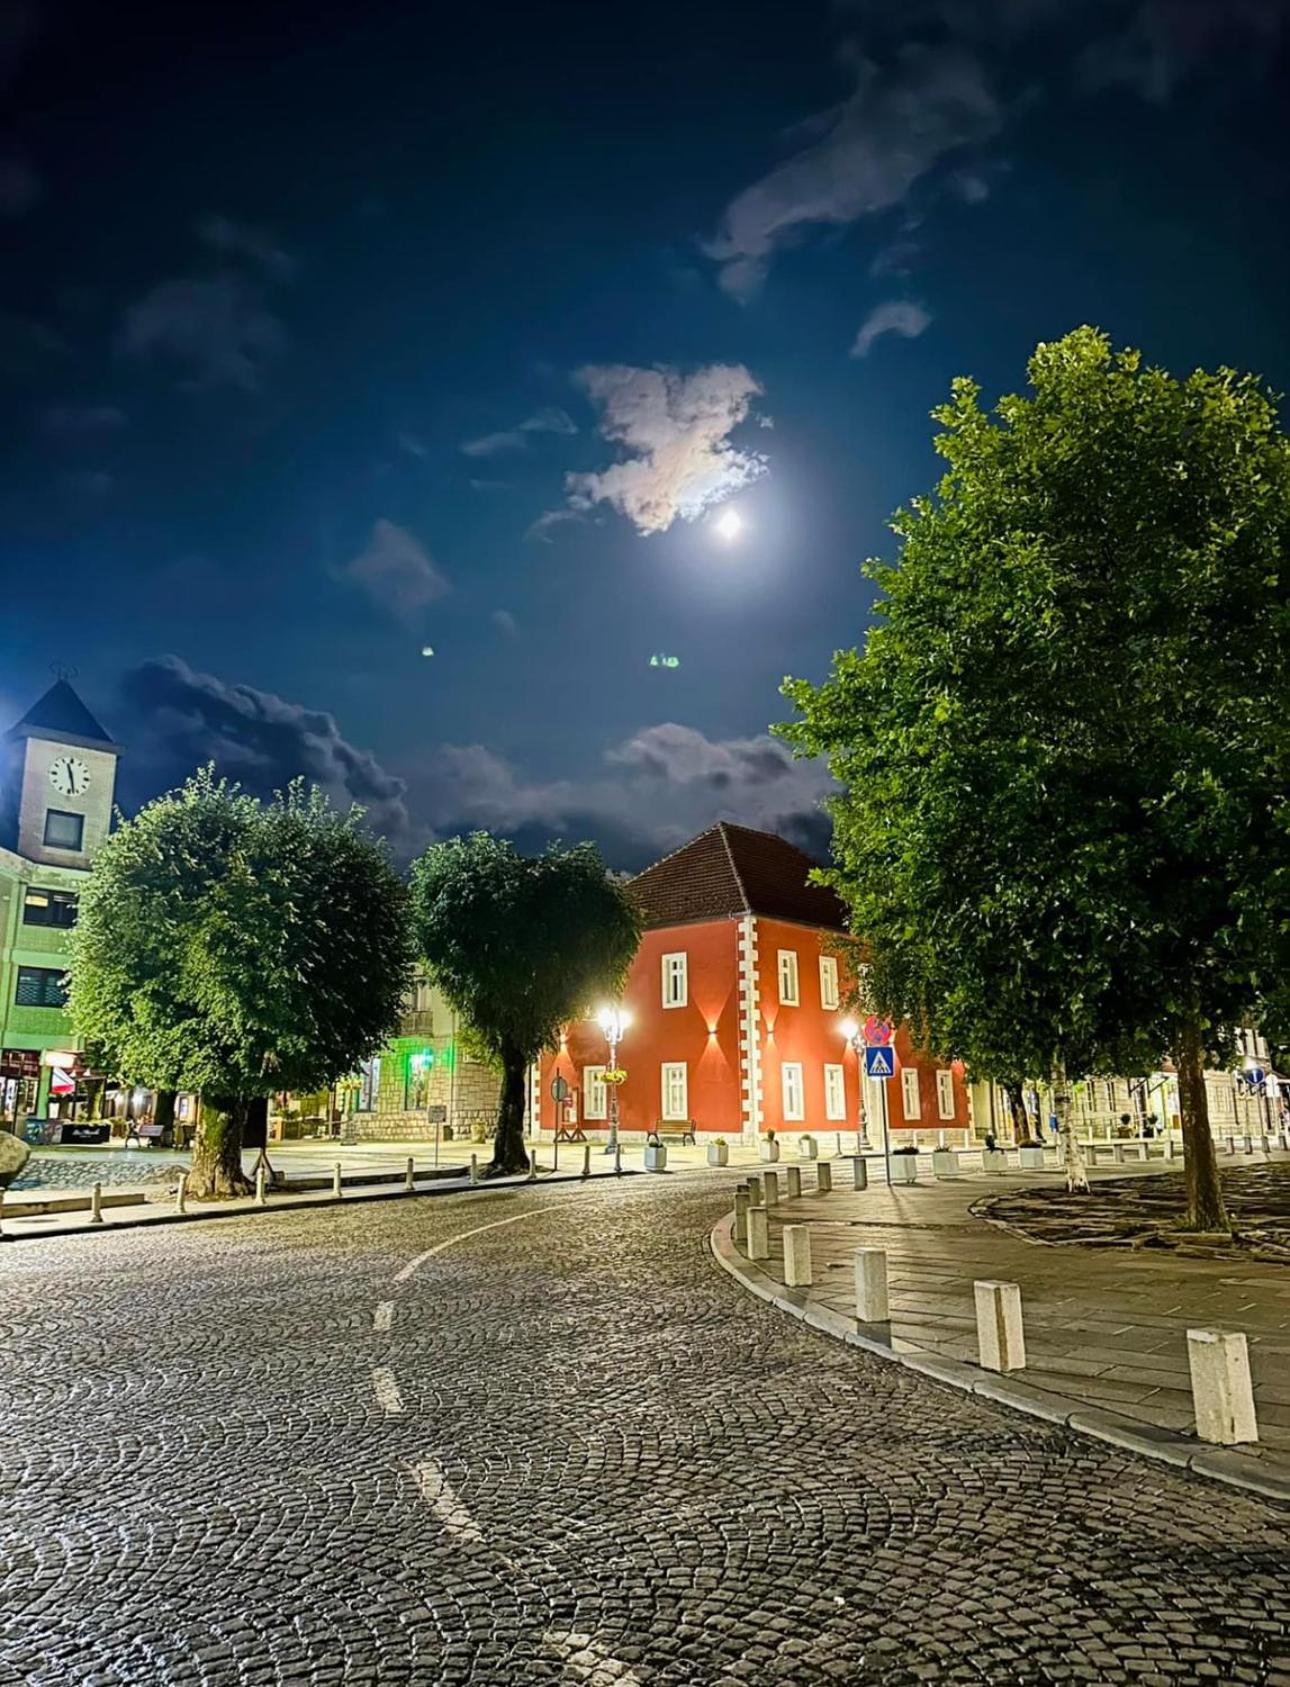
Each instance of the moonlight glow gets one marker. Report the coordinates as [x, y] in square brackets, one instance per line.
[729, 526]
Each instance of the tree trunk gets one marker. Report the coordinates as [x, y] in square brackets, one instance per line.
[217, 1152]
[1016, 1099]
[1205, 1209]
[509, 1156]
[1072, 1153]
[164, 1115]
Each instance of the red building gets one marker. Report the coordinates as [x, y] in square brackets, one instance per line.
[734, 1010]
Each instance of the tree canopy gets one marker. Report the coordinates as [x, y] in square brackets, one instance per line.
[234, 948]
[1065, 745]
[520, 945]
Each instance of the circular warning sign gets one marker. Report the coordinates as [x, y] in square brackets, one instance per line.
[877, 1031]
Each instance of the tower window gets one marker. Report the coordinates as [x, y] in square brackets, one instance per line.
[63, 830]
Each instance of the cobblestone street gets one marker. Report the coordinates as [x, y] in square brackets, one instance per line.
[536, 1436]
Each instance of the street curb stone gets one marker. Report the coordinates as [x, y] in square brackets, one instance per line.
[1261, 1473]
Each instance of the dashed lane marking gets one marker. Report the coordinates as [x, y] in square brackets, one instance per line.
[465, 1235]
[439, 1495]
[383, 1316]
[388, 1397]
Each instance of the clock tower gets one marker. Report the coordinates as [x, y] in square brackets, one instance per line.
[68, 778]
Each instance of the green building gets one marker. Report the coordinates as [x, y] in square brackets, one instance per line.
[58, 784]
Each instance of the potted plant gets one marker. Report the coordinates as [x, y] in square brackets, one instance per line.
[719, 1152]
[655, 1153]
[769, 1147]
[945, 1162]
[904, 1164]
[807, 1147]
[1031, 1156]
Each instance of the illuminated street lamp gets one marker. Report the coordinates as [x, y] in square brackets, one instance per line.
[613, 1020]
[851, 1031]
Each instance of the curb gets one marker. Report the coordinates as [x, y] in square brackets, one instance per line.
[1218, 1464]
[146, 1221]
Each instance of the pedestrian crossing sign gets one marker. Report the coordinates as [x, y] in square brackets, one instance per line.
[879, 1062]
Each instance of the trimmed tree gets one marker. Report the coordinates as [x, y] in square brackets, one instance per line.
[1065, 747]
[234, 948]
[520, 945]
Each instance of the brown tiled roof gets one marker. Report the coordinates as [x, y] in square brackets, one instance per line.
[731, 870]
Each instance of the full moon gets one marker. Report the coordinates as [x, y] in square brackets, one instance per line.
[729, 526]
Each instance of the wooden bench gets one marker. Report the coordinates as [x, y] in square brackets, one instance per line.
[674, 1130]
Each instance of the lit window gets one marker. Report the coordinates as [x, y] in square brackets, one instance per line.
[909, 1093]
[788, 978]
[676, 1092]
[676, 988]
[828, 982]
[595, 1102]
[62, 830]
[835, 1093]
[49, 907]
[41, 987]
[790, 1078]
[369, 1085]
[945, 1094]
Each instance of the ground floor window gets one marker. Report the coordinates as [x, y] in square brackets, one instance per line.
[835, 1093]
[595, 1103]
[790, 1079]
[909, 1093]
[945, 1094]
[369, 1085]
[675, 1090]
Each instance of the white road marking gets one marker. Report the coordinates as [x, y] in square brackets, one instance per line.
[439, 1247]
[586, 1659]
[388, 1397]
[383, 1317]
[440, 1497]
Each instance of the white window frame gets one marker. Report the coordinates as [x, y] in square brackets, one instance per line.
[945, 1094]
[910, 1099]
[676, 979]
[829, 998]
[835, 1093]
[792, 1069]
[670, 1086]
[789, 988]
[595, 1093]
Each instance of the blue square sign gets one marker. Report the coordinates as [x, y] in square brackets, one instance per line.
[879, 1061]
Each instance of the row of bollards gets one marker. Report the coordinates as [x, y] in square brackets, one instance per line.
[1218, 1360]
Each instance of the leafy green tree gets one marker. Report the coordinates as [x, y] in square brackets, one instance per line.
[520, 945]
[234, 948]
[1065, 747]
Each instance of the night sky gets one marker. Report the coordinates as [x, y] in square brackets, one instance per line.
[333, 332]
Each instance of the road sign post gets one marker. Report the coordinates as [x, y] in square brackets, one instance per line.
[880, 1064]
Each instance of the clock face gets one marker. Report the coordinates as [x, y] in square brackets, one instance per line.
[69, 776]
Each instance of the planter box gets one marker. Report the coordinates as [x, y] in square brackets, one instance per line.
[904, 1168]
[718, 1154]
[945, 1162]
[994, 1160]
[1032, 1159]
[807, 1148]
[656, 1157]
[769, 1150]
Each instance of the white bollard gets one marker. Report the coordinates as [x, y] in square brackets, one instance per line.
[474, 1168]
[872, 1306]
[1000, 1337]
[181, 1191]
[754, 1192]
[410, 1178]
[1221, 1391]
[794, 1176]
[261, 1188]
[1169, 1148]
[859, 1173]
[618, 1159]
[797, 1256]
[96, 1204]
[1249, 1143]
[586, 1162]
[823, 1179]
[741, 1217]
[1117, 1153]
[770, 1188]
[758, 1233]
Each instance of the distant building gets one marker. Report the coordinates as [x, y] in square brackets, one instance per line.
[735, 1011]
[58, 790]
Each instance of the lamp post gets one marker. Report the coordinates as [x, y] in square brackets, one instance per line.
[851, 1031]
[613, 1021]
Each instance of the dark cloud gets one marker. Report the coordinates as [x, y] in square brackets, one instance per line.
[82, 421]
[20, 187]
[395, 571]
[256, 245]
[182, 719]
[217, 329]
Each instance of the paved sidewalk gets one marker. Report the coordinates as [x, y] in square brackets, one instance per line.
[1105, 1329]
